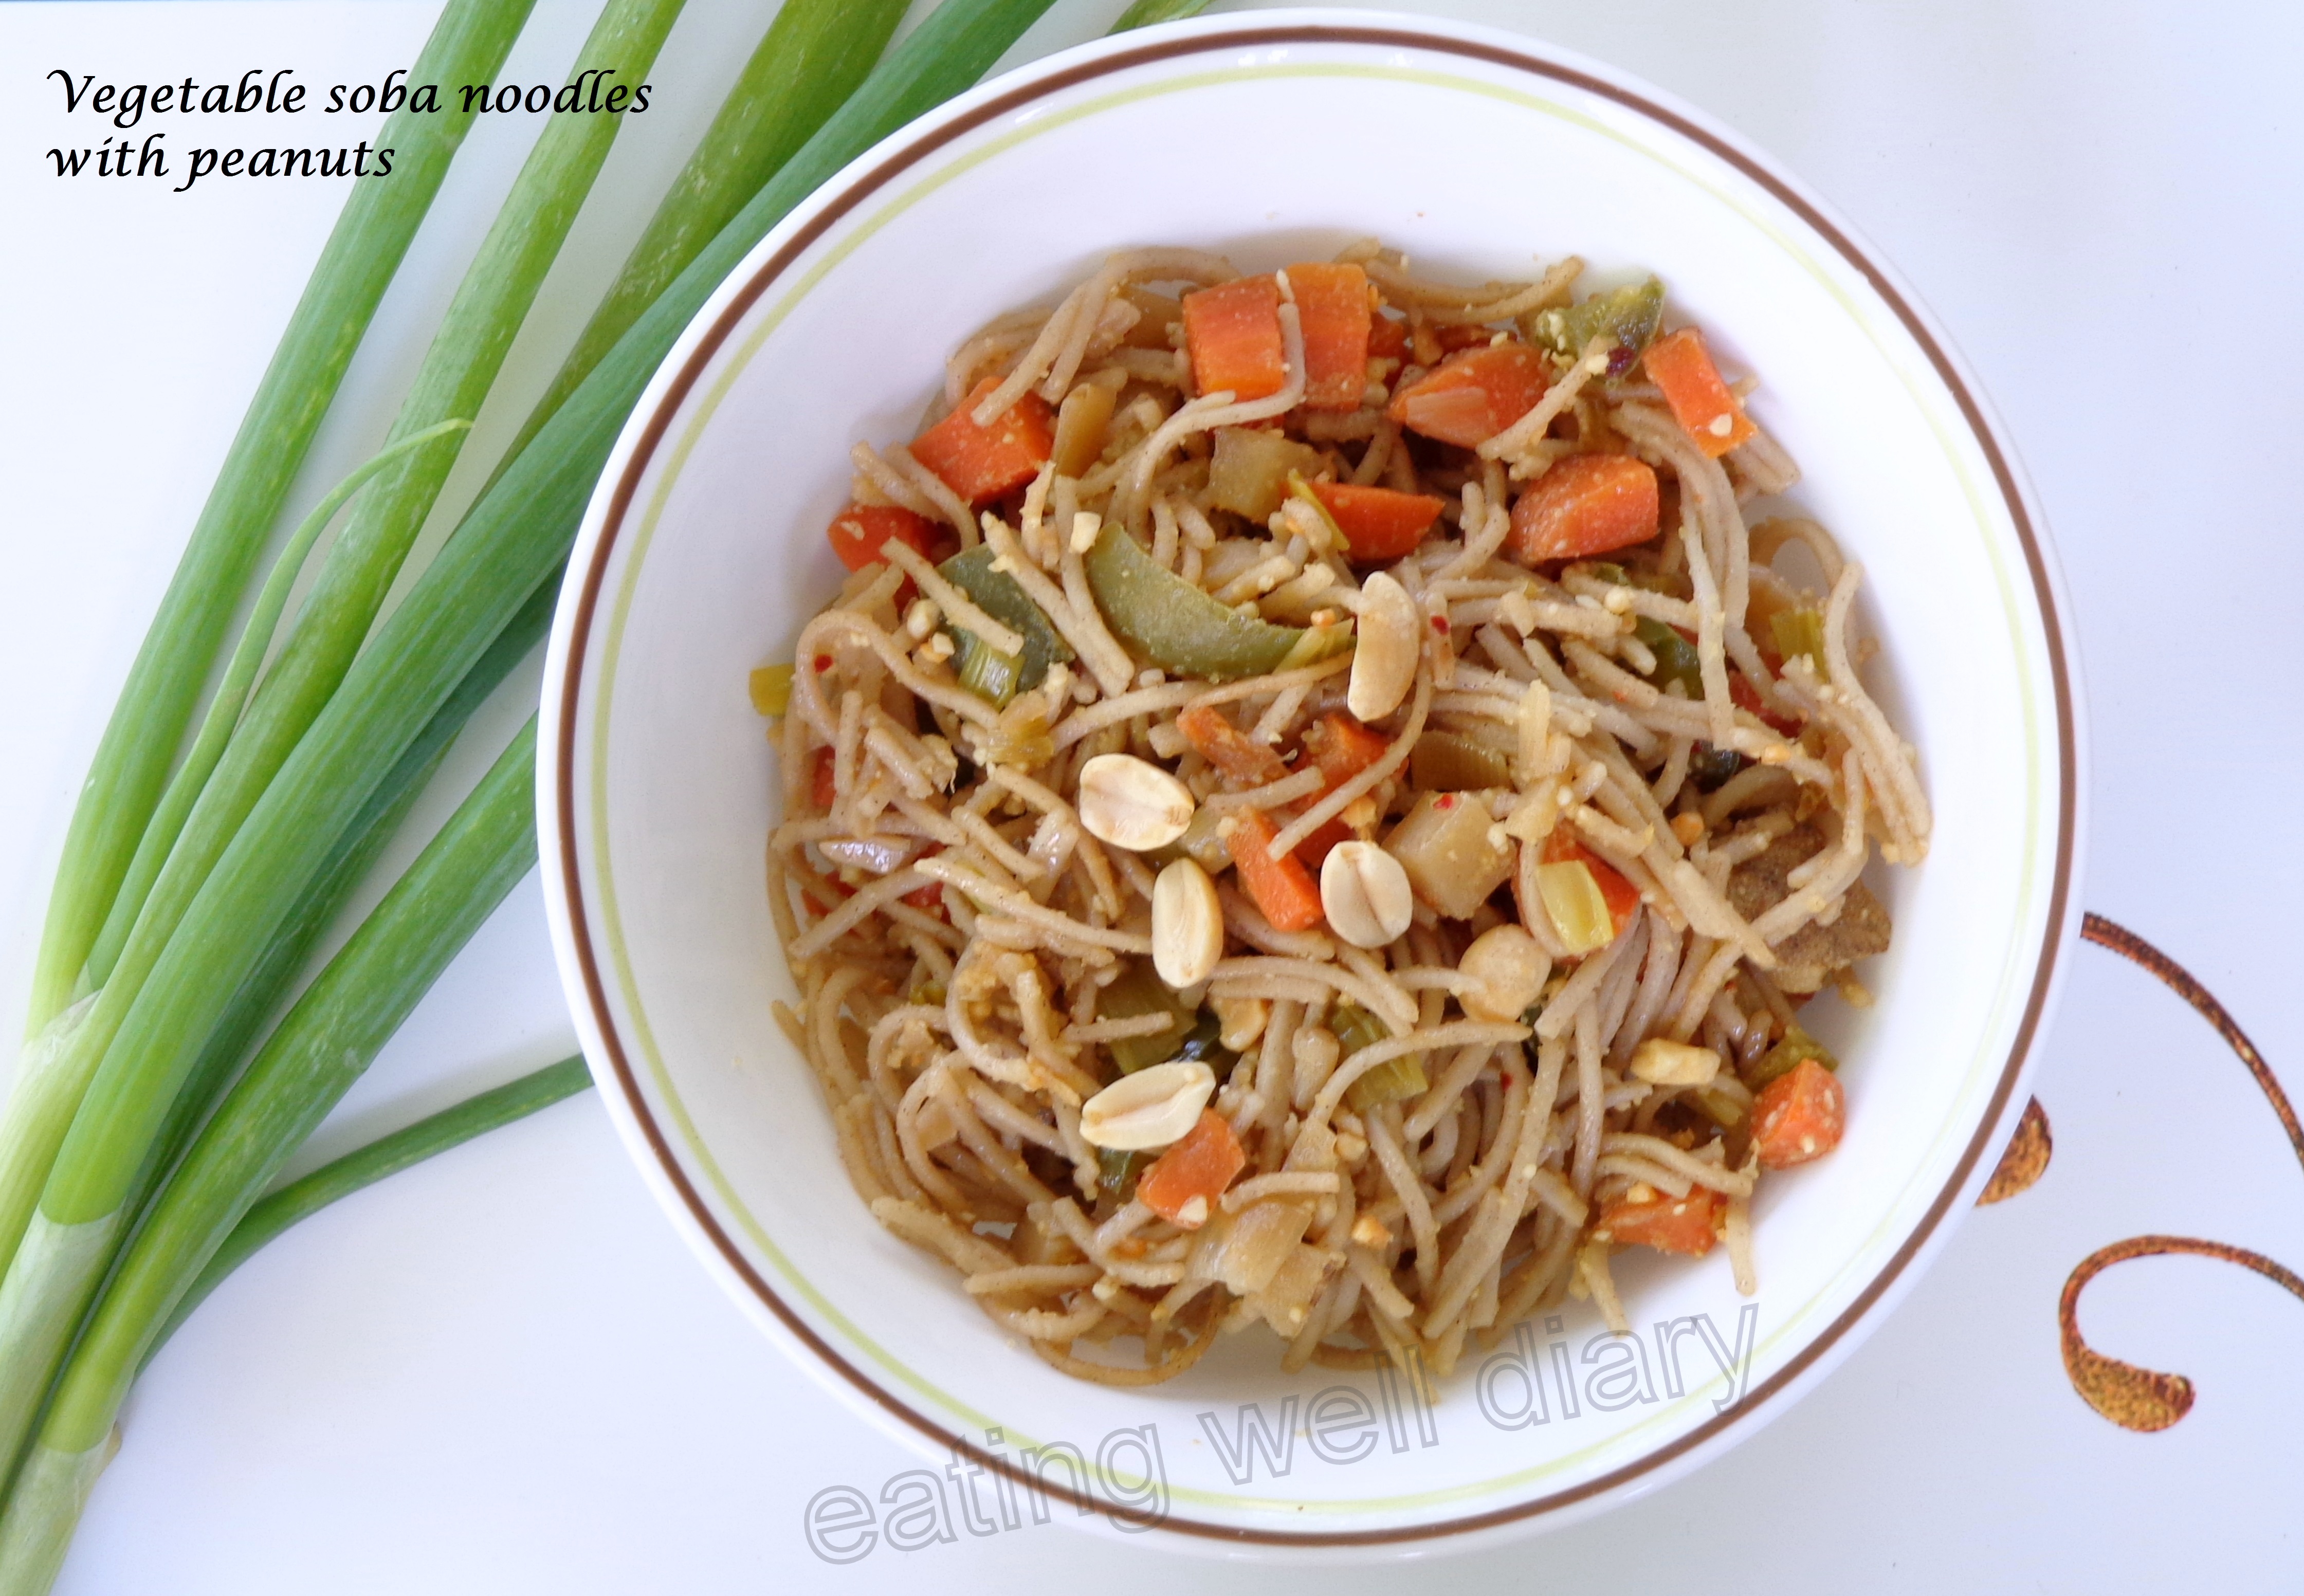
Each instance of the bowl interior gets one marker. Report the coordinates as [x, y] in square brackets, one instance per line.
[706, 556]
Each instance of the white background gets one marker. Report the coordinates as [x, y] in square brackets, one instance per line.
[501, 1373]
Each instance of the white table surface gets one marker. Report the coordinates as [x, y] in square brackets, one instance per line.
[502, 1372]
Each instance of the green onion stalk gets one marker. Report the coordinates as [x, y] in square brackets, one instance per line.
[463, 363]
[458, 370]
[348, 1013]
[157, 703]
[124, 783]
[509, 545]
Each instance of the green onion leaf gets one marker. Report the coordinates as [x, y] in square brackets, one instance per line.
[1144, 13]
[231, 695]
[300, 1199]
[810, 60]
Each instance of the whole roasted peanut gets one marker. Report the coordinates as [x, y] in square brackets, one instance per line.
[1150, 1108]
[1133, 803]
[1364, 893]
[1509, 968]
[1384, 660]
[1187, 924]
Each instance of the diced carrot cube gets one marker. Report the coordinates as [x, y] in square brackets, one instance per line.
[1197, 1168]
[1585, 505]
[858, 532]
[1232, 333]
[1314, 848]
[1799, 1116]
[1678, 364]
[1683, 1225]
[1380, 523]
[980, 463]
[1332, 304]
[1474, 396]
[1343, 747]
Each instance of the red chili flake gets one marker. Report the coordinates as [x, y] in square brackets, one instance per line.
[1440, 624]
[1447, 800]
[822, 663]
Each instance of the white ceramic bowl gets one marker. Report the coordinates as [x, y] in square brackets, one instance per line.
[1273, 136]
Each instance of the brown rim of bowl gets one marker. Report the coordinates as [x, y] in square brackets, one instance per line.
[869, 183]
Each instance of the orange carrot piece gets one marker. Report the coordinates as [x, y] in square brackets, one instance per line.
[1678, 364]
[1474, 396]
[1283, 888]
[980, 463]
[1332, 303]
[1314, 849]
[1799, 1116]
[821, 787]
[1623, 898]
[858, 532]
[1669, 1224]
[1229, 748]
[1232, 332]
[1380, 523]
[1585, 505]
[1199, 1167]
[1343, 747]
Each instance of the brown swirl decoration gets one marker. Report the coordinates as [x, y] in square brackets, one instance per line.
[2106, 934]
[2145, 1399]
[2132, 1398]
[2026, 1159]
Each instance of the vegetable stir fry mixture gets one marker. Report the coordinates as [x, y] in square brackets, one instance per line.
[1316, 806]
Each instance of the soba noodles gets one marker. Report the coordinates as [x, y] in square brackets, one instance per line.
[1316, 806]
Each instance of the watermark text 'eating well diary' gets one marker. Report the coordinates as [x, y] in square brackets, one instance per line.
[1000, 1485]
